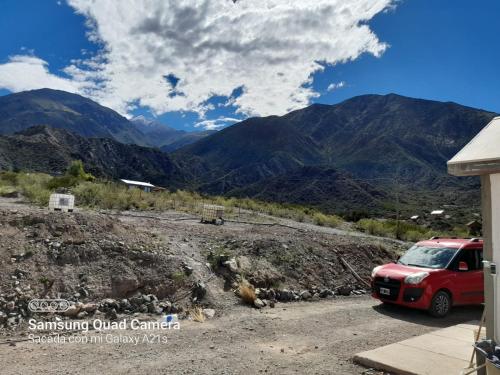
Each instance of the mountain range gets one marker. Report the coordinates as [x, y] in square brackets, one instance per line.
[361, 154]
[390, 142]
[51, 150]
[60, 109]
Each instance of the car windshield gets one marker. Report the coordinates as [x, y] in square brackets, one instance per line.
[427, 256]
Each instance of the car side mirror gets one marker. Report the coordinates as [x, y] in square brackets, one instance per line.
[462, 266]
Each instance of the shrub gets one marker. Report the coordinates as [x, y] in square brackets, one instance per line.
[34, 187]
[178, 277]
[77, 171]
[246, 292]
[7, 191]
[326, 220]
[9, 178]
[197, 314]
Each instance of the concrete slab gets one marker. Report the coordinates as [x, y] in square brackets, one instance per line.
[445, 351]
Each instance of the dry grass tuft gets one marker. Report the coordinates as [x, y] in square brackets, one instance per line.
[197, 315]
[246, 292]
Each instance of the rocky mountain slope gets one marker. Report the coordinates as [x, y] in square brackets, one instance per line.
[381, 140]
[82, 116]
[50, 150]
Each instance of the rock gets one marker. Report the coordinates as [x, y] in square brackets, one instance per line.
[143, 308]
[209, 313]
[244, 263]
[89, 307]
[344, 290]
[232, 265]
[152, 306]
[72, 311]
[175, 309]
[82, 315]
[271, 304]
[84, 293]
[166, 306]
[136, 301]
[315, 297]
[285, 295]
[187, 270]
[152, 298]
[125, 305]
[10, 305]
[305, 295]
[3, 317]
[258, 303]
[109, 303]
[112, 315]
[199, 291]
[324, 293]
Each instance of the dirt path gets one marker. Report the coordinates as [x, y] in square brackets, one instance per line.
[300, 338]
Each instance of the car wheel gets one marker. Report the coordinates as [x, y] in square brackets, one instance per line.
[440, 304]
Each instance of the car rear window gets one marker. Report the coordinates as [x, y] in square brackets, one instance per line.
[428, 256]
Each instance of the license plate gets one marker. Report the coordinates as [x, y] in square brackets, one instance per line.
[385, 291]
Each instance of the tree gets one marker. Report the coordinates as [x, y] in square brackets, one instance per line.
[77, 171]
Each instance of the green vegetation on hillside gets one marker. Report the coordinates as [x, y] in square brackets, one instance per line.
[404, 230]
[89, 192]
[102, 194]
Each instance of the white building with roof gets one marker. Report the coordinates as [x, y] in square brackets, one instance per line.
[145, 186]
[481, 157]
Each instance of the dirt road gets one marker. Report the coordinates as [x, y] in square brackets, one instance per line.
[300, 338]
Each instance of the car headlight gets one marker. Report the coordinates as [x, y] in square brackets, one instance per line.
[416, 278]
[375, 270]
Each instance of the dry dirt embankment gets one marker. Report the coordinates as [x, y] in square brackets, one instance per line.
[123, 263]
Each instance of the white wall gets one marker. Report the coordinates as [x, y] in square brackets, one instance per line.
[495, 241]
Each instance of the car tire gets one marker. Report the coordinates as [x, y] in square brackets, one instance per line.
[440, 304]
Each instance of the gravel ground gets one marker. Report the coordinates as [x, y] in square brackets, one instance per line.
[300, 338]
[293, 338]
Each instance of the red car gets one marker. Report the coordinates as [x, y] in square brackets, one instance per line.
[433, 275]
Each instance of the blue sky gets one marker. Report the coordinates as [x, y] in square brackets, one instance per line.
[443, 50]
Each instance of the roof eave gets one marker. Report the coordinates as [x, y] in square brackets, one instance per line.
[474, 168]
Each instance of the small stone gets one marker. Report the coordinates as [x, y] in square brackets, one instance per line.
[113, 315]
[344, 290]
[89, 307]
[199, 291]
[209, 313]
[258, 303]
[10, 305]
[305, 295]
[232, 265]
[72, 311]
[81, 315]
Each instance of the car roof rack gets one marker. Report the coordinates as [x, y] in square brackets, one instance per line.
[435, 238]
[474, 240]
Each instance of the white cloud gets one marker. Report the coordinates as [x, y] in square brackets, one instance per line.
[28, 72]
[334, 86]
[270, 48]
[216, 124]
